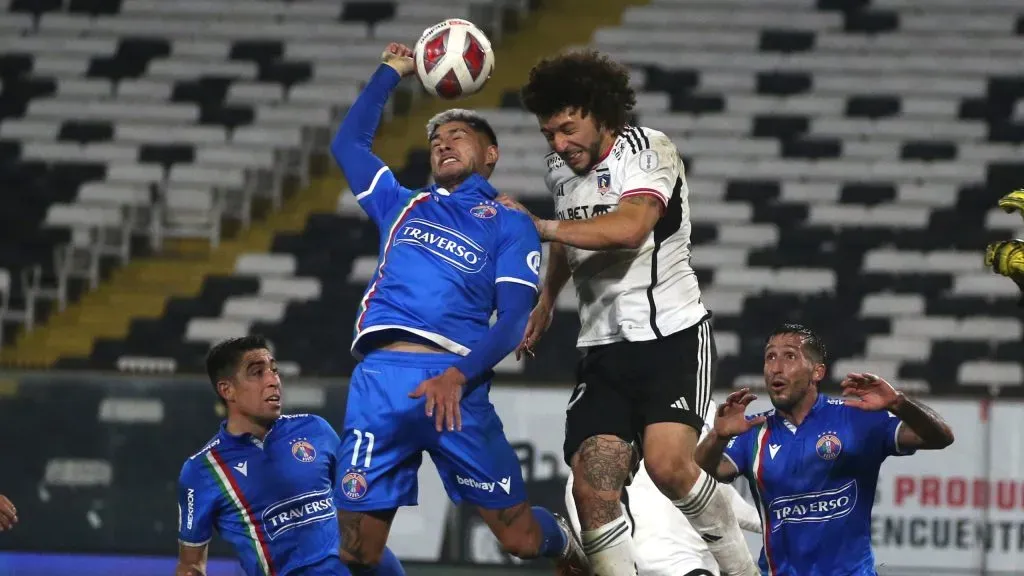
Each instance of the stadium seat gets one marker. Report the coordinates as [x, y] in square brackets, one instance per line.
[842, 158]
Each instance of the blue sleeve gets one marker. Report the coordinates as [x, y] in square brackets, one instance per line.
[515, 302]
[741, 450]
[196, 503]
[883, 429]
[519, 251]
[371, 180]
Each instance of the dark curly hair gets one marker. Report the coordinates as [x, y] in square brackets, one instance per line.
[587, 80]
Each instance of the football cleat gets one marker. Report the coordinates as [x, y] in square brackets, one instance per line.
[573, 561]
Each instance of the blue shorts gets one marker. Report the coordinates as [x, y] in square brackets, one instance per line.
[386, 433]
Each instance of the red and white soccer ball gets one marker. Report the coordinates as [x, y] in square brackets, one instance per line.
[453, 59]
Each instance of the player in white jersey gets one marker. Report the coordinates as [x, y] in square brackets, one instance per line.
[665, 543]
[623, 235]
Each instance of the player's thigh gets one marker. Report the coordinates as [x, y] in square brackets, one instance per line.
[380, 451]
[477, 464]
[677, 387]
[599, 405]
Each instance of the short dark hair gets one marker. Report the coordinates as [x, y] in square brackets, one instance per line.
[587, 80]
[222, 360]
[472, 118]
[813, 347]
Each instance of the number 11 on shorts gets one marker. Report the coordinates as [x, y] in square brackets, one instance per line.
[369, 448]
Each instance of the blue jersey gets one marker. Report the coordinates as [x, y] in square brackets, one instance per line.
[814, 485]
[444, 247]
[443, 253]
[272, 500]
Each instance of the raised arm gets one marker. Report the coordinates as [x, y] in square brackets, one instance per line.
[710, 455]
[372, 182]
[725, 451]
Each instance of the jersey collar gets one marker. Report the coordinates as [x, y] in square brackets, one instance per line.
[245, 439]
[474, 184]
[821, 401]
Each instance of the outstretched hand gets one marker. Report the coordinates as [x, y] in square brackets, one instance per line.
[730, 418]
[443, 392]
[869, 392]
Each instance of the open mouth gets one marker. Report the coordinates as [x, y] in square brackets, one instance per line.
[448, 160]
[777, 386]
[274, 400]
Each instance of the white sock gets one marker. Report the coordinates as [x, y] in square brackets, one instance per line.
[709, 511]
[610, 549]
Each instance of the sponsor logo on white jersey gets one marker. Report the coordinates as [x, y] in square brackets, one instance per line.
[451, 246]
[297, 511]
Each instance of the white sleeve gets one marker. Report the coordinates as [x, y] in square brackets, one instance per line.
[570, 507]
[651, 166]
[746, 514]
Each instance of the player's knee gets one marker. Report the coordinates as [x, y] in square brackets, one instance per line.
[601, 464]
[673, 474]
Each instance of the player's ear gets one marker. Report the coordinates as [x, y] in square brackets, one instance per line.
[225, 390]
[491, 156]
[818, 373]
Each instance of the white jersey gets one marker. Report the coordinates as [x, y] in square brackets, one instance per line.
[664, 542]
[631, 294]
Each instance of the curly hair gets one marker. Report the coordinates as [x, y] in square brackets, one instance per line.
[587, 80]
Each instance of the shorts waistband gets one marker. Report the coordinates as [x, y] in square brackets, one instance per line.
[423, 359]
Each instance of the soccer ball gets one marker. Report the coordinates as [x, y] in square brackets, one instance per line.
[453, 59]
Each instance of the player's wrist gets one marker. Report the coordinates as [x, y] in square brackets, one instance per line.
[897, 403]
[457, 376]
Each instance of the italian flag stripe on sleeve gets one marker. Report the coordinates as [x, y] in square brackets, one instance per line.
[222, 472]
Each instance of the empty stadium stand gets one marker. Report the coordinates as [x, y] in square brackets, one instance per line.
[843, 160]
[124, 123]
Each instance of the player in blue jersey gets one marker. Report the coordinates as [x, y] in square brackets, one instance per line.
[812, 462]
[450, 256]
[266, 482]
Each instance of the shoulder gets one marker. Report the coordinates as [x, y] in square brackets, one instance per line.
[515, 222]
[645, 146]
[557, 172]
[553, 161]
[195, 464]
[303, 421]
[308, 424]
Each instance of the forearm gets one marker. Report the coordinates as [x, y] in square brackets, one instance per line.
[502, 338]
[352, 146]
[709, 453]
[556, 275]
[605, 232]
[923, 421]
